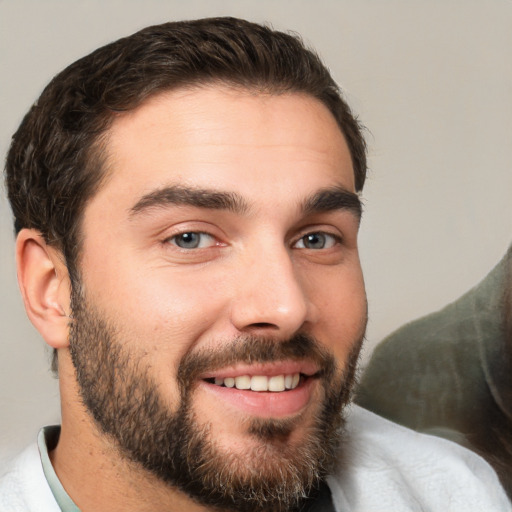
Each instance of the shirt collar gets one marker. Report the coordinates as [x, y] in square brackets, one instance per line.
[46, 441]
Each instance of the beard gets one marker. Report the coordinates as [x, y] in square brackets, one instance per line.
[275, 473]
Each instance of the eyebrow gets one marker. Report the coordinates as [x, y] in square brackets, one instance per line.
[325, 200]
[331, 199]
[186, 196]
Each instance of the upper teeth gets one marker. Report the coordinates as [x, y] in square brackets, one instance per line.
[261, 382]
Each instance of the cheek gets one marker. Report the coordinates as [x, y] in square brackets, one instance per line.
[340, 302]
[159, 318]
[163, 312]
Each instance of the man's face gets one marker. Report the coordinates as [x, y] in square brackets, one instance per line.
[222, 303]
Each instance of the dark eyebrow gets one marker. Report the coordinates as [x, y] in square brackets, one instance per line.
[336, 198]
[187, 196]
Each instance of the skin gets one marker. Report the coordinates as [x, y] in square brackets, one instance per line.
[252, 274]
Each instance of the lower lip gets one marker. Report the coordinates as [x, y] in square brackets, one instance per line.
[264, 404]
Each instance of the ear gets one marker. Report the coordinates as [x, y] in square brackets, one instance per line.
[45, 286]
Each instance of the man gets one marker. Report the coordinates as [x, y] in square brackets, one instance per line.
[186, 202]
[450, 372]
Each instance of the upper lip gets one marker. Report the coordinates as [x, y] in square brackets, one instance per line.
[304, 367]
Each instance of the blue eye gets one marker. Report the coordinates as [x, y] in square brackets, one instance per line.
[192, 240]
[316, 241]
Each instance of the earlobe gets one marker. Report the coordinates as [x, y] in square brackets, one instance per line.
[44, 283]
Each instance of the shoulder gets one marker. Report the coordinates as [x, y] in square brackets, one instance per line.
[23, 486]
[385, 467]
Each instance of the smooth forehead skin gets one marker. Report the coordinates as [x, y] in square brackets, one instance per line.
[209, 120]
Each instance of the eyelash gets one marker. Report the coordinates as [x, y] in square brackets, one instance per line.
[335, 239]
[173, 239]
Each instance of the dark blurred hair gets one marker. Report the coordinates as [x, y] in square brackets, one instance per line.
[55, 162]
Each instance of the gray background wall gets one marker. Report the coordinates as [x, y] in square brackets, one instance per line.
[432, 81]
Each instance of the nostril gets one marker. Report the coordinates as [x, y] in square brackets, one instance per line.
[262, 325]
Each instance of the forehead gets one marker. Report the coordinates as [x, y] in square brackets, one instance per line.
[219, 137]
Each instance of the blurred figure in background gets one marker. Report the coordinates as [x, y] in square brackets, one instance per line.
[450, 372]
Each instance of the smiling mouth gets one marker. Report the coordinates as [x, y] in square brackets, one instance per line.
[270, 390]
[261, 383]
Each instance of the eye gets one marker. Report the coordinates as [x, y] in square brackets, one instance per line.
[317, 241]
[192, 240]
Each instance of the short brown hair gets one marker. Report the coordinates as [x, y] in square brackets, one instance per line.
[54, 163]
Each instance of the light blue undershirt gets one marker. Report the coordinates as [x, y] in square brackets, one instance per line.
[47, 440]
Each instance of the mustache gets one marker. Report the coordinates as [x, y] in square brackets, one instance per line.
[252, 350]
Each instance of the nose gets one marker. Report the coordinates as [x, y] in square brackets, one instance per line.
[270, 298]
